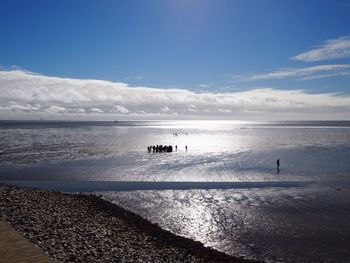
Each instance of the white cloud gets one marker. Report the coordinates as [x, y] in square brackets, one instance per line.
[225, 110]
[120, 109]
[307, 73]
[165, 109]
[56, 109]
[97, 110]
[13, 106]
[78, 110]
[330, 49]
[27, 95]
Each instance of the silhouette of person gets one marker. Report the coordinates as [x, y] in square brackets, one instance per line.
[186, 147]
[278, 166]
[176, 147]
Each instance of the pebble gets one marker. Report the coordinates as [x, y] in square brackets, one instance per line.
[85, 228]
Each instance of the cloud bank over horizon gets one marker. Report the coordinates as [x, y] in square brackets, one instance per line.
[26, 95]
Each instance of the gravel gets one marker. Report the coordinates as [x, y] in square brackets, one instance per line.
[86, 228]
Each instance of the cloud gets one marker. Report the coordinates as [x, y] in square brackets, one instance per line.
[120, 109]
[56, 109]
[97, 110]
[165, 109]
[330, 49]
[307, 73]
[28, 96]
[13, 106]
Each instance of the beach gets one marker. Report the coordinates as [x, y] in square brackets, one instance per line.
[85, 228]
[226, 193]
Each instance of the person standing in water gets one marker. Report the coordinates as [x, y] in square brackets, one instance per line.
[186, 148]
[278, 166]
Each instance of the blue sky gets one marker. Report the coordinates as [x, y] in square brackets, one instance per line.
[212, 46]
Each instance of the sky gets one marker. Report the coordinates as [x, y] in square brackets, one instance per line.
[175, 59]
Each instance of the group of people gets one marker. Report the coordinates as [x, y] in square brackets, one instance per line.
[161, 148]
[176, 134]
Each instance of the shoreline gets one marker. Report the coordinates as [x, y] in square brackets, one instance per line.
[80, 228]
[120, 186]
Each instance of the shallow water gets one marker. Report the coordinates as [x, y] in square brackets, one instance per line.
[217, 151]
[307, 224]
[224, 191]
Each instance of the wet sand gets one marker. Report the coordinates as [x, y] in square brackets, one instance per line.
[85, 228]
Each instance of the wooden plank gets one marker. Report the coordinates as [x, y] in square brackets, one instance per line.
[16, 248]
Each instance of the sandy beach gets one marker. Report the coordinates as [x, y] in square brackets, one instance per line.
[85, 228]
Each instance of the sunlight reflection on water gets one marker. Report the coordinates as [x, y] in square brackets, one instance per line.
[217, 151]
[272, 224]
[261, 217]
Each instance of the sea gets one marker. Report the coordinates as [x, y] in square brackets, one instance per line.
[220, 185]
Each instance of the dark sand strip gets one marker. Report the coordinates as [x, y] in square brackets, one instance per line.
[98, 186]
[85, 228]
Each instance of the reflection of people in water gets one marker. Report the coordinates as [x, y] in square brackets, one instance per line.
[278, 165]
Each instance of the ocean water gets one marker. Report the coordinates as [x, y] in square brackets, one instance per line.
[224, 190]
